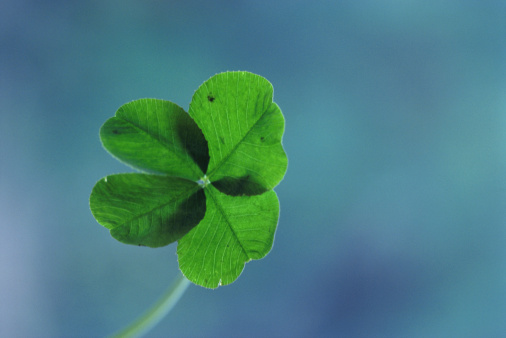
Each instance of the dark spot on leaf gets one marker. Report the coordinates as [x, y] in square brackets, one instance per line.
[115, 131]
[210, 98]
[222, 140]
[262, 139]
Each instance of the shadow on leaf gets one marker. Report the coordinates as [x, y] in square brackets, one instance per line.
[239, 186]
[163, 230]
[193, 141]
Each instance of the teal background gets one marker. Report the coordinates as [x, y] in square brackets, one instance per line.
[393, 208]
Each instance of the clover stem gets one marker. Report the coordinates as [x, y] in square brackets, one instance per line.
[159, 310]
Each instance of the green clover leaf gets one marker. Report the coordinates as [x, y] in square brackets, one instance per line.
[208, 176]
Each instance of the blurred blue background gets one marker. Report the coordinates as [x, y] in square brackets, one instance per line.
[393, 208]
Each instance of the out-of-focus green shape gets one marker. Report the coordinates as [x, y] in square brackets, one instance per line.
[157, 136]
[244, 129]
[212, 191]
[235, 230]
[147, 210]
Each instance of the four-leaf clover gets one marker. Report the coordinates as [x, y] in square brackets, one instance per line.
[208, 176]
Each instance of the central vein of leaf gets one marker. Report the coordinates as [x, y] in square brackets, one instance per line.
[222, 212]
[225, 159]
[178, 153]
[184, 195]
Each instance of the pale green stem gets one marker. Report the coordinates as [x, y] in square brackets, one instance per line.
[159, 310]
